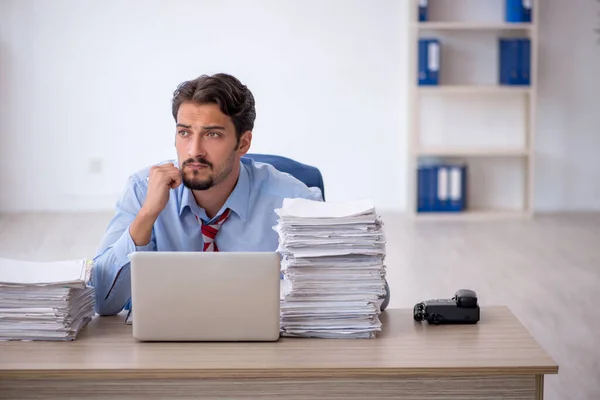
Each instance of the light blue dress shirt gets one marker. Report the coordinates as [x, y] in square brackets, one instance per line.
[259, 191]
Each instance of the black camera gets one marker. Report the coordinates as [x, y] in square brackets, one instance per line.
[461, 309]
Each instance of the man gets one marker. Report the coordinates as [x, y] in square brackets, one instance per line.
[208, 200]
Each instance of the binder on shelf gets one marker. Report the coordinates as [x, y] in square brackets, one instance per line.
[422, 10]
[514, 61]
[457, 183]
[441, 187]
[527, 5]
[441, 198]
[518, 11]
[421, 189]
[427, 188]
[429, 61]
[525, 65]
[508, 61]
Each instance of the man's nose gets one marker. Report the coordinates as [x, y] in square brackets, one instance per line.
[196, 146]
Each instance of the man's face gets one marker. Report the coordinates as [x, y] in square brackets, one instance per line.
[207, 146]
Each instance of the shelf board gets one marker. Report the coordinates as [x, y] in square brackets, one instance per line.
[473, 152]
[472, 26]
[472, 215]
[474, 89]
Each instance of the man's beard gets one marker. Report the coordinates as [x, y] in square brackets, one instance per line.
[195, 183]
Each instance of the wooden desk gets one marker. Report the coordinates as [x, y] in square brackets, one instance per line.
[495, 359]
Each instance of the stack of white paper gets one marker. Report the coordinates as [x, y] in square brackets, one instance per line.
[333, 264]
[44, 300]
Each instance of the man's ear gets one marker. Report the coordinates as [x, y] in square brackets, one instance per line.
[245, 142]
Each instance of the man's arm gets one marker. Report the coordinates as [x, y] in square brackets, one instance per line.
[129, 231]
[111, 274]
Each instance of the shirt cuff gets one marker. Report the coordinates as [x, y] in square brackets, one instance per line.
[131, 247]
[126, 246]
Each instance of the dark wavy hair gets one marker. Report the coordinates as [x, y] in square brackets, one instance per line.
[234, 98]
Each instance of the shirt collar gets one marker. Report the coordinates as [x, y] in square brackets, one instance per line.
[237, 200]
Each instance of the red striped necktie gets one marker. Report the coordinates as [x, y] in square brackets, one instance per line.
[209, 231]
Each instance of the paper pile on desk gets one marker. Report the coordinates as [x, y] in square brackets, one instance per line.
[44, 300]
[333, 265]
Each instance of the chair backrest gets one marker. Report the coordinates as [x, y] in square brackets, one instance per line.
[309, 175]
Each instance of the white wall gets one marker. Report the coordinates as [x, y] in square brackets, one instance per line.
[568, 140]
[93, 80]
[82, 82]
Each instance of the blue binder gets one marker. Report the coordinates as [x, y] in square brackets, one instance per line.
[429, 62]
[518, 11]
[527, 6]
[426, 188]
[525, 61]
[422, 180]
[422, 10]
[442, 187]
[457, 188]
[509, 57]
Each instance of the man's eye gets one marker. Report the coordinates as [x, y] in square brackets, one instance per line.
[183, 133]
[214, 134]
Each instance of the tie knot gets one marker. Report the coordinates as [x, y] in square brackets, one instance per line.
[209, 231]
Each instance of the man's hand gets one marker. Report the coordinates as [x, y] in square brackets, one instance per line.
[162, 178]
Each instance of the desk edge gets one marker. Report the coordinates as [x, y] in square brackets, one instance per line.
[257, 373]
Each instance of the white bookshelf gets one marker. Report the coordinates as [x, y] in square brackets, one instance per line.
[473, 215]
[470, 26]
[474, 89]
[470, 152]
[470, 117]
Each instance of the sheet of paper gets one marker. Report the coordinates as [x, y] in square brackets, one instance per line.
[44, 301]
[334, 272]
[23, 273]
[304, 208]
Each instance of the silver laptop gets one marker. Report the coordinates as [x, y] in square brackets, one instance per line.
[212, 296]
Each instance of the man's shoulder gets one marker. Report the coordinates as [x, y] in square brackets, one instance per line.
[267, 180]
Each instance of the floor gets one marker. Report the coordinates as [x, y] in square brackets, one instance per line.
[546, 269]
